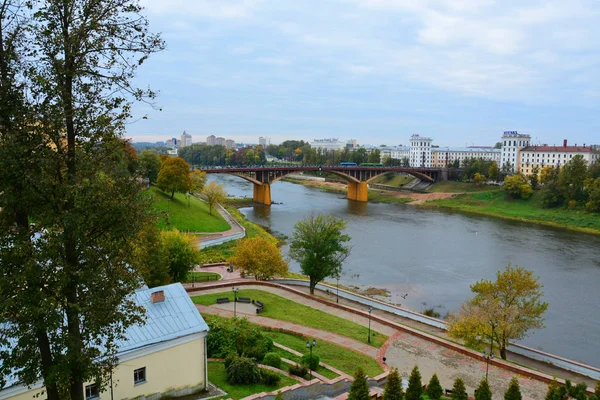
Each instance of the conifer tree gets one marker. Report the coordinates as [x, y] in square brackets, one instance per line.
[459, 392]
[514, 390]
[434, 388]
[415, 387]
[359, 390]
[556, 391]
[483, 392]
[393, 386]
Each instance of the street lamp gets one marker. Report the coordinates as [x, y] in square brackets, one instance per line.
[235, 291]
[487, 362]
[337, 292]
[310, 346]
[494, 324]
[370, 309]
[115, 362]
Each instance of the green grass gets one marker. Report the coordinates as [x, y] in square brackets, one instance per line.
[277, 307]
[195, 218]
[461, 187]
[338, 357]
[292, 357]
[383, 197]
[393, 179]
[202, 276]
[499, 205]
[218, 375]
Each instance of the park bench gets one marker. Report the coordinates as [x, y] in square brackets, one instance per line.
[223, 300]
[448, 392]
[244, 300]
[259, 306]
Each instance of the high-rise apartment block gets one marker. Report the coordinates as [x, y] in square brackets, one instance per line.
[186, 139]
[512, 143]
[264, 141]
[211, 140]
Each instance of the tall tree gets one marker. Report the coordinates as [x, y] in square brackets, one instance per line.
[149, 165]
[493, 171]
[181, 252]
[393, 386]
[319, 246]
[213, 194]
[174, 176]
[68, 236]
[571, 180]
[198, 179]
[514, 390]
[511, 306]
[415, 387]
[483, 391]
[434, 388]
[459, 391]
[259, 257]
[359, 389]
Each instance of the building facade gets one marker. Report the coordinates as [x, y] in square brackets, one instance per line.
[420, 151]
[327, 144]
[445, 156]
[264, 141]
[555, 156]
[230, 144]
[211, 140]
[220, 141]
[512, 143]
[186, 139]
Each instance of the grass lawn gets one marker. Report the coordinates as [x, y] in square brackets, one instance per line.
[393, 179]
[218, 376]
[461, 187]
[202, 276]
[194, 218]
[277, 307]
[387, 197]
[292, 357]
[497, 204]
[338, 357]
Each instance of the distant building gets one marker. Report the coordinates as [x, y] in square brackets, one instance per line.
[327, 144]
[264, 141]
[172, 142]
[445, 156]
[186, 139]
[211, 140]
[230, 144]
[220, 141]
[395, 152]
[512, 143]
[420, 151]
[351, 144]
[555, 156]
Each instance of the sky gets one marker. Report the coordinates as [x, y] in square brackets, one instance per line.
[378, 71]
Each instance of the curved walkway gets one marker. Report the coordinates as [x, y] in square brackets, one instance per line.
[236, 227]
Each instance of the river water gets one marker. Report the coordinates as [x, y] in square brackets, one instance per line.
[428, 258]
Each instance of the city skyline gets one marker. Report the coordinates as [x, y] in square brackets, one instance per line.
[374, 70]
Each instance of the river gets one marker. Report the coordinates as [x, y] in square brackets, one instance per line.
[431, 257]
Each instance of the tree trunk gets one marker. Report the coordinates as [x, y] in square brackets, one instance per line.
[46, 356]
[172, 194]
[503, 352]
[313, 283]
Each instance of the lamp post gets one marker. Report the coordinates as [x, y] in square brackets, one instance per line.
[337, 292]
[494, 324]
[310, 345]
[235, 291]
[487, 362]
[369, 338]
[115, 362]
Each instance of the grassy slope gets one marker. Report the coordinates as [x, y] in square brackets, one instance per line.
[396, 180]
[497, 204]
[218, 376]
[460, 187]
[277, 307]
[194, 218]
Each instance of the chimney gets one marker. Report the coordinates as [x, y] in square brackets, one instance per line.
[157, 297]
[565, 143]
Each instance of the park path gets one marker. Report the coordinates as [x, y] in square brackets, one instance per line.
[236, 227]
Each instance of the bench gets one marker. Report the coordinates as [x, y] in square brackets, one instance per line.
[448, 392]
[243, 300]
[259, 306]
[223, 300]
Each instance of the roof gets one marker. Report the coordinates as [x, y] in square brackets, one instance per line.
[173, 318]
[559, 149]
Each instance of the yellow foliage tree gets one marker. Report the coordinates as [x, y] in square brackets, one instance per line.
[511, 306]
[259, 257]
[213, 193]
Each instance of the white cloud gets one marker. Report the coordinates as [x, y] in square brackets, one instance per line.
[274, 60]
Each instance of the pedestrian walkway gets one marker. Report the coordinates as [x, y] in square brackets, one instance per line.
[235, 229]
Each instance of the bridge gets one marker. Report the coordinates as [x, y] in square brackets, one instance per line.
[357, 177]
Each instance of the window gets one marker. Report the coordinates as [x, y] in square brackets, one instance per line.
[91, 392]
[139, 376]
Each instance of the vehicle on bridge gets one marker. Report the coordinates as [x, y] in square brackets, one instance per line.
[367, 164]
[348, 164]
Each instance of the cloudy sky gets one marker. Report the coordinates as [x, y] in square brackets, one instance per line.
[460, 71]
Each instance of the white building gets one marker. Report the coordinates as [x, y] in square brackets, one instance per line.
[211, 140]
[220, 141]
[512, 143]
[264, 141]
[420, 151]
[444, 156]
[186, 139]
[555, 156]
[172, 142]
[327, 144]
[230, 144]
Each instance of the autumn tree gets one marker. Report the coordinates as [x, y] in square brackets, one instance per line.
[479, 179]
[359, 389]
[493, 171]
[415, 387]
[514, 390]
[517, 186]
[259, 257]
[592, 187]
[213, 194]
[181, 252]
[393, 386]
[319, 245]
[174, 176]
[149, 165]
[70, 213]
[198, 179]
[534, 181]
[511, 305]
[151, 257]
[571, 179]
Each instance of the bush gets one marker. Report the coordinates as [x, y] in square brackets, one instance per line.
[243, 371]
[514, 390]
[517, 186]
[298, 370]
[238, 336]
[312, 363]
[272, 360]
[270, 378]
[434, 388]
[229, 357]
[359, 389]
[415, 387]
[483, 392]
[393, 386]
[459, 392]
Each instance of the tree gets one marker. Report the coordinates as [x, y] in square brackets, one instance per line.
[259, 257]
[493, 171]
[506, 170]
[479, 179]
[359, 389]
[213, 194]
[393, 386]
[534, 177]
[181, 252]
[149, 165]
[556, 391]
[151, 257]
[517, 186]
[592, 188]
[318, 244]
[459, 391]
[73, 217]
[571, 180]
[375, 156]
[198, 179]
[483, 391]
[546, 175]
[415, 387]
[174, 176]
[434, 388]
[514, 390]
[512, 302]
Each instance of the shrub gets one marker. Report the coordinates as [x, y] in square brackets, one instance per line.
[236, 335]
[483, 392]
[279, 396]
[434, 388]
[298, 370]
[270, 378]
[232, 355]
[415, 387]
[312, 363]
[556, 391]
[359, 390]
[514, 390]
[243, 371]
[272, 359]
[459, 392]
[393, 386]
[517, 186]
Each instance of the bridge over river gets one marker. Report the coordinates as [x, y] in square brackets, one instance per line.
[357, 176]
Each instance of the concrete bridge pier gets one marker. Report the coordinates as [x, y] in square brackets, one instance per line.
[358, 191]
[262, 194]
